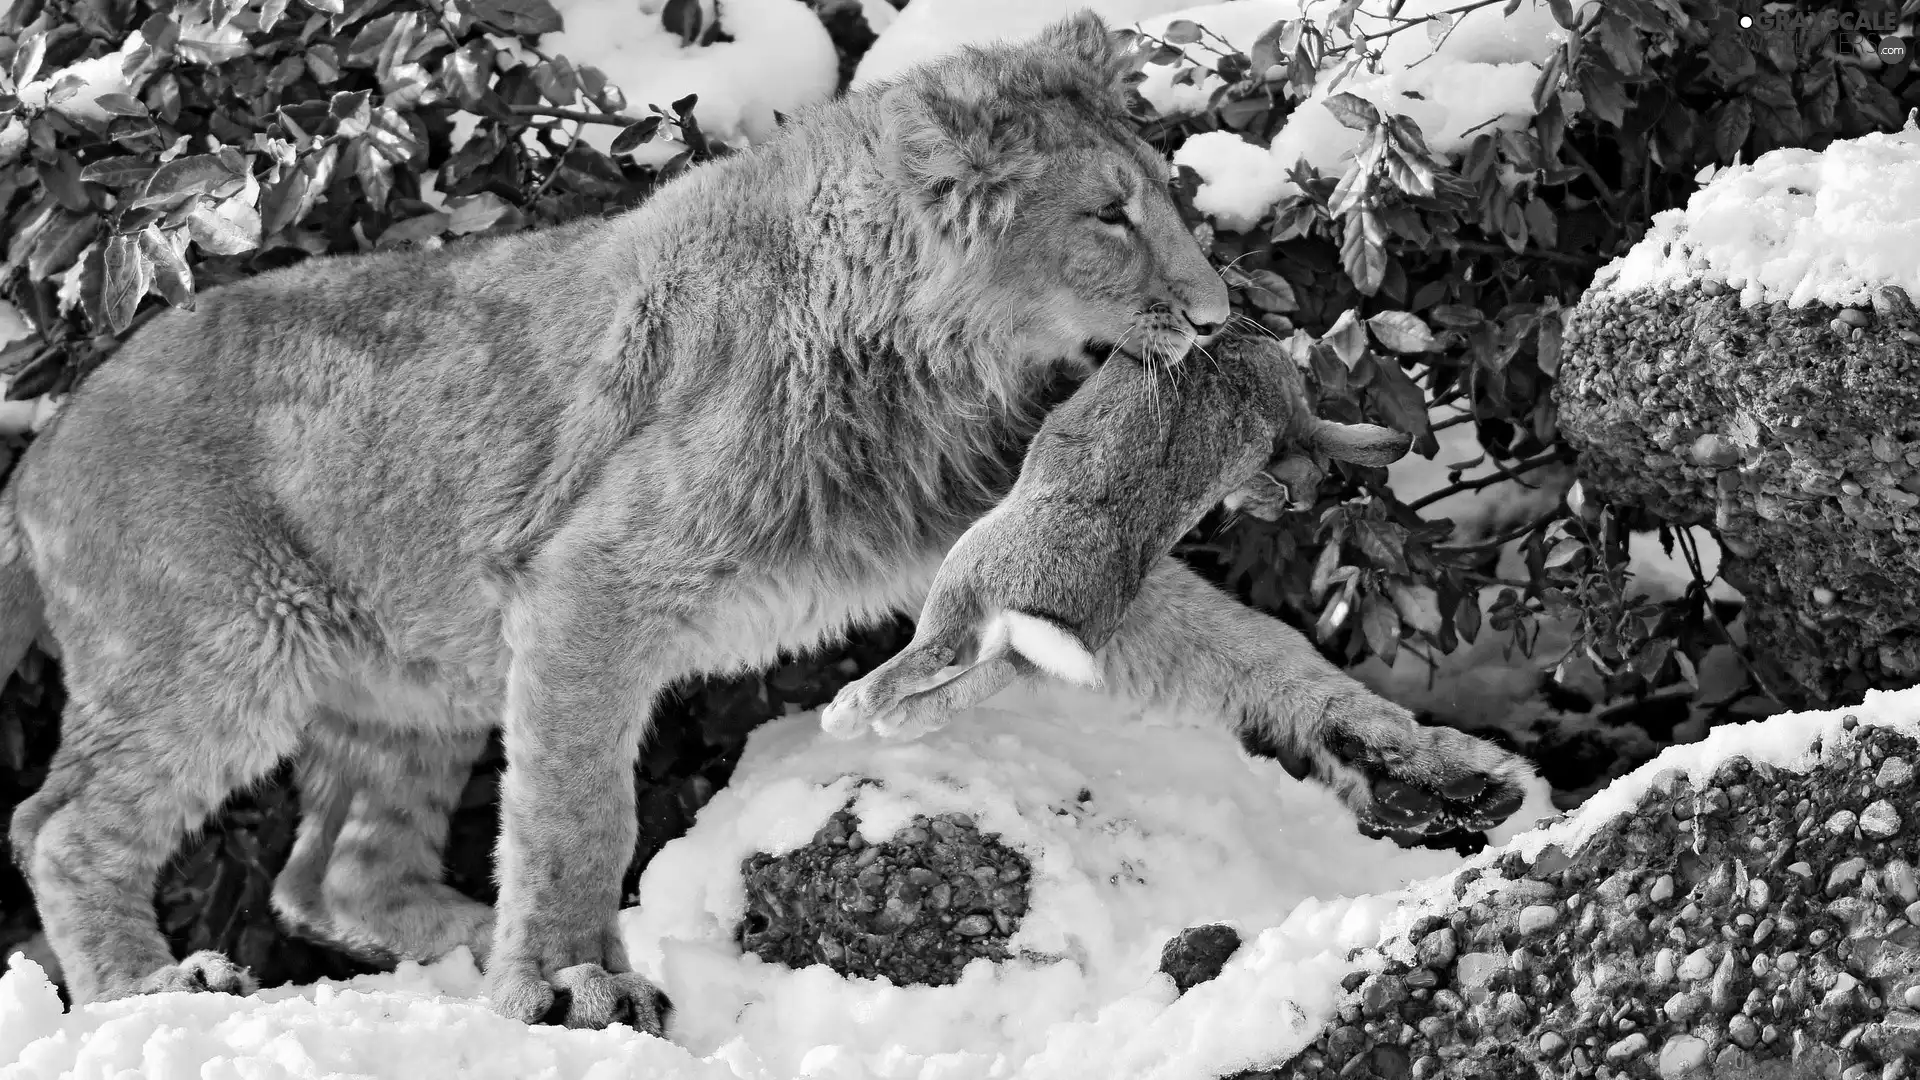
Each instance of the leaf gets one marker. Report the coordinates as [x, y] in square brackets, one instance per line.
[1721, 674]
[329, 7]
[1181, 32]
[1562, 14]
[171, 278]
[1565, 552]
[1604, 96]
[1402, 332]
[1364, 259]
[228, 229]
[1383, 542]
[1400, 400]
[519, 16]
[414, 229]
[1353, 111]
[1418, 605]
[1348, 338]
[1274, 46]
[350, 112]
[477, 213]
[684, 19]
[1381, 625]
[1269, 291]
[198, 174]
[118, 172]
[27, 57]
[1439, 25]
[634, 134]
[1323, 569]
[1466, 616]
[557, 82]
[1650, 659]
[127, 279]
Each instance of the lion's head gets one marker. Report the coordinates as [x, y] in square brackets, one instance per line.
[1022, 161]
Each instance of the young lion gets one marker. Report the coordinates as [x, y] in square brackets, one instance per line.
[1113, 479]
[361, 510]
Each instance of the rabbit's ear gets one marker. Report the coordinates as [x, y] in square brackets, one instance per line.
[1358, 444]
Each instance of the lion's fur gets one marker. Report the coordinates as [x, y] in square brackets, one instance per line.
[362, 510]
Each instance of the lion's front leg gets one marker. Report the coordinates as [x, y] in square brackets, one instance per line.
[1186, 644]
[584, 671]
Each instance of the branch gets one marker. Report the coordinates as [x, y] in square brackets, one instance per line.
[1501, 539]
[576, 115]
[1551, 457]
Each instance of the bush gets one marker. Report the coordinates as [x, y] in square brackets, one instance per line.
[1408, 281]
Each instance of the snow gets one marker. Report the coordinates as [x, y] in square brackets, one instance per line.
[1479, 78]
[780, 60]
[1210, 834]
[1181, 828]
[1796, 226]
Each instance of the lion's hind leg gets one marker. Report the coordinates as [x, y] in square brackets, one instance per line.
[366, 869]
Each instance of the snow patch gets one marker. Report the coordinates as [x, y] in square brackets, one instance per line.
[780, 60]
[1796, 226]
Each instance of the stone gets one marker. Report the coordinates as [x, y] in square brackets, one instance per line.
[1196, 954]
[1841, 822]
[1662, 890]
[1536, 919]
[1437, 949]
[1683, 1057]
[1627, 1049]
[1698, 965]
[1475, 972]
[1552, 1045]
[1743, 1031]
[1895, 773]
[1684, 1006]
[1845, 874]
[1880, 820]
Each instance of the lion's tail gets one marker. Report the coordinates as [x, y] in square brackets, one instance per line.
[22, 616]
[1048, 645]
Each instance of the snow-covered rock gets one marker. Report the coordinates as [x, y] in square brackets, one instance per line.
[1796, 226]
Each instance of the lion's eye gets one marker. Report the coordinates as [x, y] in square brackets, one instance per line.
[1114, 213]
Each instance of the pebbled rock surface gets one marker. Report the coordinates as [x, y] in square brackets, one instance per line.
[1762, 926]
[1795, 434]
[916, 908]
[1196, 954]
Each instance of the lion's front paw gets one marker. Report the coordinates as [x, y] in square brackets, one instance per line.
[1399, 777]
[1425, 779]
[580, 996]
[204, 972]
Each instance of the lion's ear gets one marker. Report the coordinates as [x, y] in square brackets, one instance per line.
[1086, 37]
[954, 147]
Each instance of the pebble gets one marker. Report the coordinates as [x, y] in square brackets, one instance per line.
[1880, 820]
[1900, 880]
[1627, 1049]
[1537, 918]
[1725, 991]
[1664, 964]
[1552, 1045]
[1840, 822]
[1683, 1056]
[1759, 894]
[1895, 772]
[1662, 890]
[1683, 1006]
[1912, 997]
[1698, 965]
[974, 925]
[1845, 874]
[1437, 948]
[1743, 1031]
[1476, 970]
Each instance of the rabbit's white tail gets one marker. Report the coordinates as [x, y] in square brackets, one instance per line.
[1048, 645]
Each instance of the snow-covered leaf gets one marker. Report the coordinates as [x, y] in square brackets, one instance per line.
[1353, 111]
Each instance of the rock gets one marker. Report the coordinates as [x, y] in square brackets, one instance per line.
[1895, 773]
[1896, 1036]
[1845, 874]
[1537, 918]
[1475, 972]
[1665, 964]
[1436, 950]
[1880, 820]
[1841, 822]
[1743, 1031]
[1381, 994]
[1662, 890]
[1196, 954]
[1682, 1057]
[1728, 986]
[1627, 1049]
[1552, 1045]
[1684, 1006]
[870, 912]
[1697, 966]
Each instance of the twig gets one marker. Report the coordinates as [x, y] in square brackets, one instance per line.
[1461, 10]
[1501, 539]
[1551, 457]
[558, 163]
[573, 114]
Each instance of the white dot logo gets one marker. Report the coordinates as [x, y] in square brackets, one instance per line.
[1746, 22]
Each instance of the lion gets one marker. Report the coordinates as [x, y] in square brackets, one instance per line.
[1114, 477]
[360, 511]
